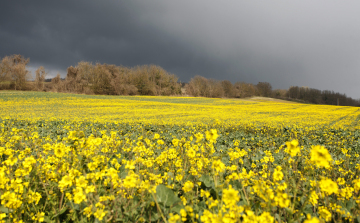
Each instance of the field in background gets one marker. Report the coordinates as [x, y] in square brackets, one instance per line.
[173, 110]
[83, 158]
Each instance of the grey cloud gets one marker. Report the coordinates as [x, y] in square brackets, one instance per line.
[305, 43]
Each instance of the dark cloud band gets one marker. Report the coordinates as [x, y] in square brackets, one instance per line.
[304, 43]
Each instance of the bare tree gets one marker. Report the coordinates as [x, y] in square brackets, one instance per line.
[40, 76]
[5, 69]
[198, 86]
[57, 83]
[264, 89]
[13, 69]
[244, 90]
[20, 76]
[279, 93]
[201, 86]
[228, 88]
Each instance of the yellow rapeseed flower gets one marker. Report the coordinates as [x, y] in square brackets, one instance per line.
[320, 156]
[278, 175]
[328, 186]
[39, 217]
[313, 198]
[130, 165]
[293, 147]
[173, 218]
[324, 213]
[218, 166]
[100, 214]
[311, 219]
[59, 152]
[230, 196]
[188, 186]
[2, 216]
[79, 195]
[356, 185]
[88, 211]
[66, 181]
[282, 200]
[211, 135]
[81, 182]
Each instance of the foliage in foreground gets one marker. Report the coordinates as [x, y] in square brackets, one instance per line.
[79, 158]
[63, 171]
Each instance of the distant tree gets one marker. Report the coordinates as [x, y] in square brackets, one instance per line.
[244, 90]
[102, 80]
[5, 69]
[56, 79]
[279, 93]
[198, 86]
[264, 89]
[215, 89]
[142, 81]
[114, 80]
[57, 84]
[13, 69]
[293, 92]
[228, 89]
[320, 97]
[70, 84]
[314, 96]
[165, 83]
[40, 76]
[203, 87]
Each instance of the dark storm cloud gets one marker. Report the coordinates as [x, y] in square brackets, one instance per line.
[305, 43]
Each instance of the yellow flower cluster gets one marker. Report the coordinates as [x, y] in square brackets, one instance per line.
[173, 110]
[160, 159]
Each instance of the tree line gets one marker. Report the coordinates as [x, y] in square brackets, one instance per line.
[88, 78]
[316, 96]
[106, 79]
[201, 86]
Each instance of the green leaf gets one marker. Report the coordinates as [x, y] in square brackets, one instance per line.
[123, 173]
[61, 212]
[166, 196]
[201, 206]
[308, 209]
[302, 200]
[207, 180]
[350, 205]
[277, 217]
[155, 217]
[73, 205]
[47, 219]
[177, 208]
[4, 209]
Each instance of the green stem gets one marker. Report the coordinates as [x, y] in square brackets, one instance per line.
[157, 205]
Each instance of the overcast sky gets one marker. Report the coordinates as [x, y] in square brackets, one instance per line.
[298, 42]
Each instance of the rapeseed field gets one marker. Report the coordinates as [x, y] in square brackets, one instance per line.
[80, 158]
